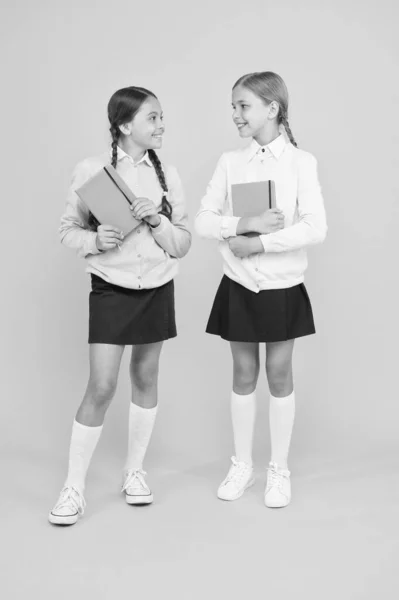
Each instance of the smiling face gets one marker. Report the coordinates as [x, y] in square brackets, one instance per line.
[146, 128]
[251, 114]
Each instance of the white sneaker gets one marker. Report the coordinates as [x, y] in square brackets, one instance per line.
[278, 487]
[135, 488]
[239, 478]
[70, 506]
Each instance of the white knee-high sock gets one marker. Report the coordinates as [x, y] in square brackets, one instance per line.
[83, 443]
[243, 411]
[281, 420]
[141, 424]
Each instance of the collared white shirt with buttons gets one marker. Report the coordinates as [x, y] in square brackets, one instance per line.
[298, 195]
[148, 257]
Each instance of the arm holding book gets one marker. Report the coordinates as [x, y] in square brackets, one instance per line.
[172, 235]
[74, 230]
[311, 227]
[211, 223]
[244, 245]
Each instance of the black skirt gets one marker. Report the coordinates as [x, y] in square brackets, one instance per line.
[239, 315]
[126, 317]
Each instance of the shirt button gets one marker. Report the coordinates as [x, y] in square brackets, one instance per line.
[139, 255]
[256, 269]
[139, 277]
[263, 149]
[138, 231]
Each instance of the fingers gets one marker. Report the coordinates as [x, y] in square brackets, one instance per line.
[110, 229]
[110, 238]
[108, 246]
[144, 208]
[107, 233]
[139, 206]
[145, 212]
[140, 202]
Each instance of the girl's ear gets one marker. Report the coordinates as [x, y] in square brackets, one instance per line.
[274, 108]
[125, 129]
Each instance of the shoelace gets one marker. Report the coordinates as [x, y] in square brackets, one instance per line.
[70, 496]
[236, 472]
[133, 477]
[275, 477]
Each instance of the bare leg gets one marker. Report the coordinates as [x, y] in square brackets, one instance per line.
[105, 360]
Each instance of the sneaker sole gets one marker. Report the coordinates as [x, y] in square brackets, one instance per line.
[237, 496]
[139, 500]
[62, 520]
[277, 505]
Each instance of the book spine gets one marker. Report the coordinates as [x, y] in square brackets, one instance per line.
[272, 193]
[115, 183]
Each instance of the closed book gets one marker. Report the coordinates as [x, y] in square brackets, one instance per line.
[254, 198]
[109, 198]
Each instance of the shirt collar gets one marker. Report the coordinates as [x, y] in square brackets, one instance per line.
[123, 155]
[275, 148]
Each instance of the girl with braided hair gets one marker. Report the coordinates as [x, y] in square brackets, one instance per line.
[132, 296]
[262, 297]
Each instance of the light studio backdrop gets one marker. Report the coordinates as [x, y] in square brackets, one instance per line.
[61, 61]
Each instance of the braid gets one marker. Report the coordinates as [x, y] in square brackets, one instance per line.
[114, 145]
[92, 221]
[166, 208]
[284, 121]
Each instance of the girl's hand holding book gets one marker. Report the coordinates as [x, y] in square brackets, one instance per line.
[143, 209]
[270, 221]
[108, 237]
[243, 246]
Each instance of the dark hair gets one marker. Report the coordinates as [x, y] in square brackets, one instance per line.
[269, 86]
[122, 107]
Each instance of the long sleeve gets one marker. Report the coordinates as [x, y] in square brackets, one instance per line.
[210, 221]
[174, 236]
[311, 227]
[73, 230]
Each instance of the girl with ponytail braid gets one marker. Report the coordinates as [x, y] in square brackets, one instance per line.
[262, 298]
[132, 298]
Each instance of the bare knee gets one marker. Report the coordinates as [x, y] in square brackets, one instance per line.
[279, 377]
[144, 374]
[101, 392]
[245, 376]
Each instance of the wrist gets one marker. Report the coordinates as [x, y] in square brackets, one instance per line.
[242, 226]
[256, 245]
[155, 221]
[253, 224]
[97, 246]
[247, 225]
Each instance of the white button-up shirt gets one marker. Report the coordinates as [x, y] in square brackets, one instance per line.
[298, 195]
[148, 257]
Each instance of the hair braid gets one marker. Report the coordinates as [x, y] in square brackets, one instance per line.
[114, 130]
[284, 121]
[166, 208]
[92, 222]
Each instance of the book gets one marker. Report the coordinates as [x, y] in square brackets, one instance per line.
[109, 198]
[254, 198]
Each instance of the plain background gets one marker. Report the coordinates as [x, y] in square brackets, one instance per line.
[61, 61]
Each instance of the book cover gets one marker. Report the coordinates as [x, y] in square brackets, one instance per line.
[109, 198]
[254, 198]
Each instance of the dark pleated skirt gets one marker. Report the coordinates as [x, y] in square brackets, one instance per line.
[127, 317]
[240, 315]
